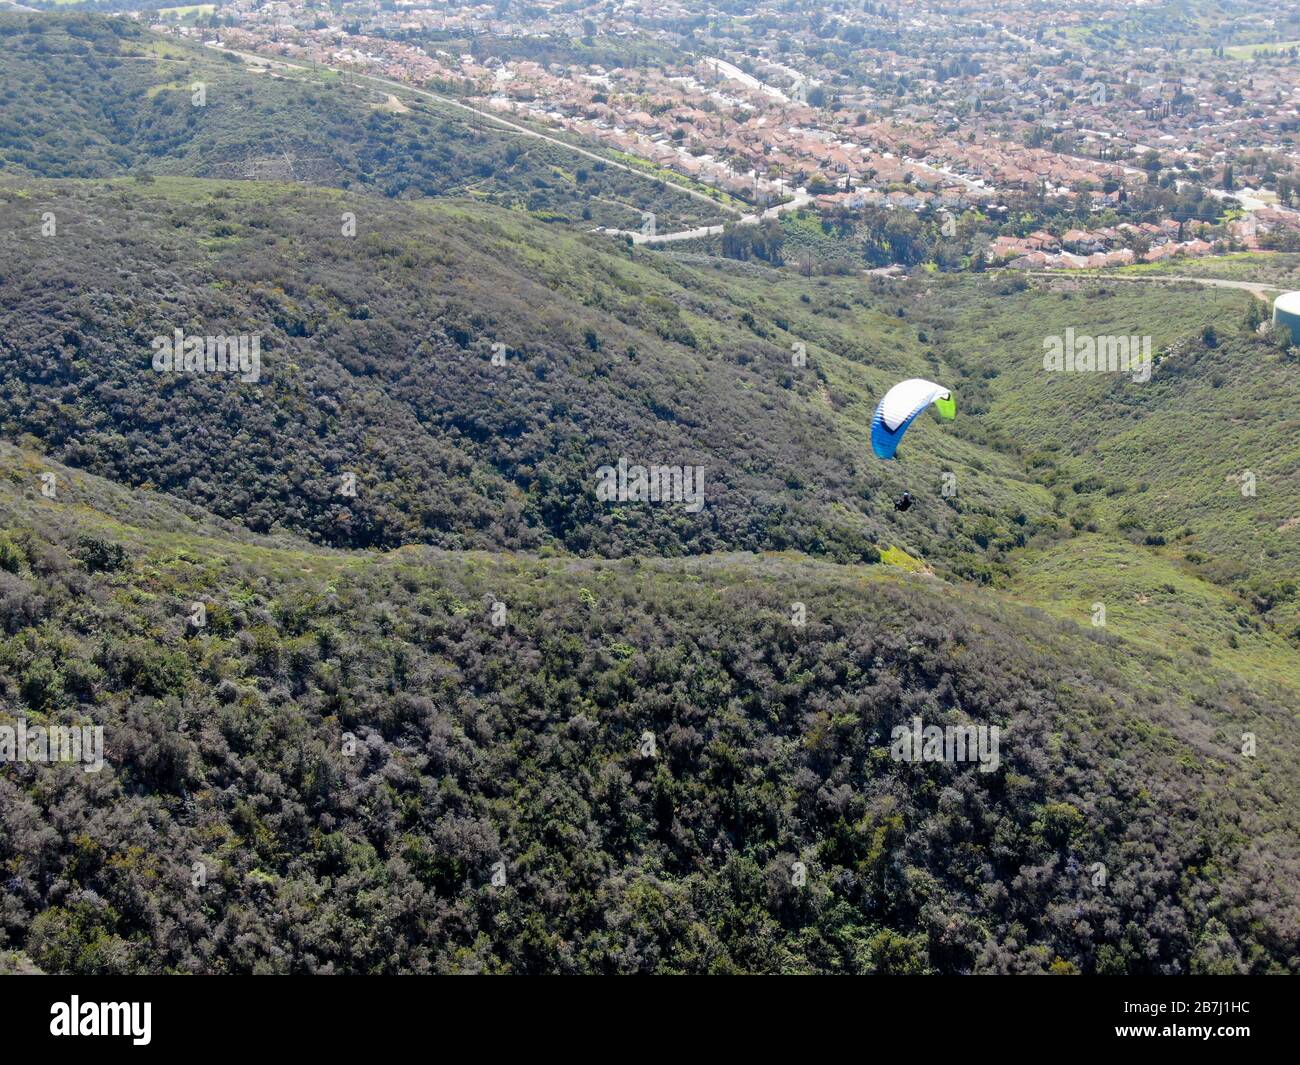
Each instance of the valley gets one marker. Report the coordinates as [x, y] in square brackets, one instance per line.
[388, 684]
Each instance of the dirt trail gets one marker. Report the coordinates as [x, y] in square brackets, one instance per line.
[1257, 288]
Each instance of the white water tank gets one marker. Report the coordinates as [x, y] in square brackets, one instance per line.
[1286, 312]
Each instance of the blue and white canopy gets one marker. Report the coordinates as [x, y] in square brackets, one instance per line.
[899, 409]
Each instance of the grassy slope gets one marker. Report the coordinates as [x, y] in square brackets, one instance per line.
[1159, 606]
[1281, 269]
[1161, 459]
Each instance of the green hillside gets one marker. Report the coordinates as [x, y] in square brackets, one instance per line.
[161, 106]
[378, 360]
[446, 709]
[349, 747]
[1170, 463]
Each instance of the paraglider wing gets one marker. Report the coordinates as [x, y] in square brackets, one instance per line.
[899, 409]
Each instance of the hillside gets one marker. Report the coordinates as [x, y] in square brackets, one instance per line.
[448, 709]
[162, 106]
[349, 747]
[377, 360]
[1201, 463]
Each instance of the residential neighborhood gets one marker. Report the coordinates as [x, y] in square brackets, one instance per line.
[1019, 118]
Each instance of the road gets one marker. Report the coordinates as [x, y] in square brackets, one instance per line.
[800, 199]
[1256, 288]
[447, 101]
[736, 74]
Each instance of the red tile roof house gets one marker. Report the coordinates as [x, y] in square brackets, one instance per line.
[1007, 248]
[1035, 259]
[1162, 251]
[1084, 242]
[1270, 218]
[1073, 262]
[1246, 231]
[841, 160]
[903, 199]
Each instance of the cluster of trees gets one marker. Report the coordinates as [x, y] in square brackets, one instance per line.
[646, 767]
[754, 241]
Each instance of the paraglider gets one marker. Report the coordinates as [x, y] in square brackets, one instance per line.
[900, 408]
